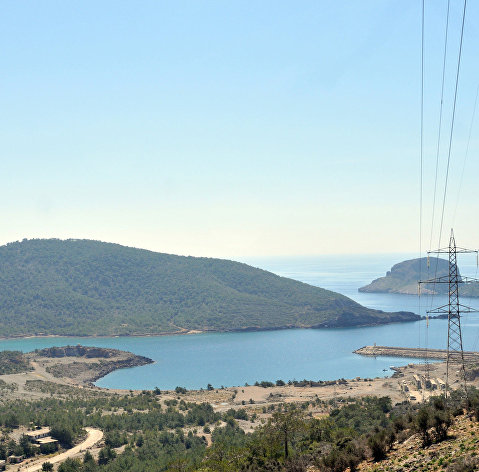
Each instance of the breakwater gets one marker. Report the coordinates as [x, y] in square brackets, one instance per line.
[412, 352]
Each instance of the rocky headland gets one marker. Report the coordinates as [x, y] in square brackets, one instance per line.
[84, 365]
[403, 279]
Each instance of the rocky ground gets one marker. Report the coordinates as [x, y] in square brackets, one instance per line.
[457, 453]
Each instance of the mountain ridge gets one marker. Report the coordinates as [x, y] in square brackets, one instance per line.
[84, 287]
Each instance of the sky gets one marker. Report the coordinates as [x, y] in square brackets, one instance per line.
[235, 129]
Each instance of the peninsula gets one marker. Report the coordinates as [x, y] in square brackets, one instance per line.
[92, 288]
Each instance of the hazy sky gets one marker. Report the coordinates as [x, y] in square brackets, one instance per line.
[231, 128]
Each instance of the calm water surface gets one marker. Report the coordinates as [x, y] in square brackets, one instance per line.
[230, 359]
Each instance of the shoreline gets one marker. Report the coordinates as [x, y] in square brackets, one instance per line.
[186, 332]
[51, 374]
[102, 336]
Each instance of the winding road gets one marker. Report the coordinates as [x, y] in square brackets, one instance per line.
[94, 436]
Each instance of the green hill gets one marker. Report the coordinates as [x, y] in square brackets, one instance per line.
[82, 287]
[403, 278]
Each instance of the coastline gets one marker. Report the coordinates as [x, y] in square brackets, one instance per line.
[40, 383]
[82, 365]
[102, 336]
[185, 332]
[58, 370]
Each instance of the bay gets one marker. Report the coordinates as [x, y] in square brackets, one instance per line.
[233, 359]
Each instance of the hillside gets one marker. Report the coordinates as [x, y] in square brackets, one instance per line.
[456, 454]
[83, 287]
[403, 278]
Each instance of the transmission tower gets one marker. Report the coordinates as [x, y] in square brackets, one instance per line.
[453, 309]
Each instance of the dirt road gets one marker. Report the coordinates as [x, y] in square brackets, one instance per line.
[94, 436]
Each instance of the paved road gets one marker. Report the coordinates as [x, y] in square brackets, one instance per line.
[94, 436]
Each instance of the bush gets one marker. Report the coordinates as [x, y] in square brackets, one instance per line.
[441, 421]
[464, 464]
[423, 424]
[378, 446]
[48, 448]
[265, 384]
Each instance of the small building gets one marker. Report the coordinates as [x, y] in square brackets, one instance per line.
[426, 382]
[14, 459]
[47, 440]
[433, 384]
[404, 386]
[441, 383]
[34, 436]
[3, 464]
[417, 382]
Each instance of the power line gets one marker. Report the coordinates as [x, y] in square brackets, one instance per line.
[452, 122]
[421, 159]
[440, 121]
[450, 136]
[465, 156]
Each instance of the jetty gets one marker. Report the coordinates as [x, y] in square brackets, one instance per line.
[412, 352]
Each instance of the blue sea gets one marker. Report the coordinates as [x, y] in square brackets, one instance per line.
[233, 359]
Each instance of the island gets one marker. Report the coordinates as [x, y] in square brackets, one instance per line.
[92, 288]
[403, 279]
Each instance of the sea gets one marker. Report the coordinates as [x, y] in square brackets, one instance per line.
[235, 359]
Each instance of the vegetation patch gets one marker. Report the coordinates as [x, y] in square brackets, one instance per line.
[13, 362]
[82, 287]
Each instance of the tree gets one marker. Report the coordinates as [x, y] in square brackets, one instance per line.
[286, 425]
[11, 421]
[26, 445]
[64, 435]
[70, 465]
[47, 466]
[87, 457]
[106, 455]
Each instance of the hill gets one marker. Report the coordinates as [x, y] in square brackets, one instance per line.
[83, 287]
[403, 278]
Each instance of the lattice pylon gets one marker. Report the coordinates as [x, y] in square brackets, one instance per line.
[455, 351]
